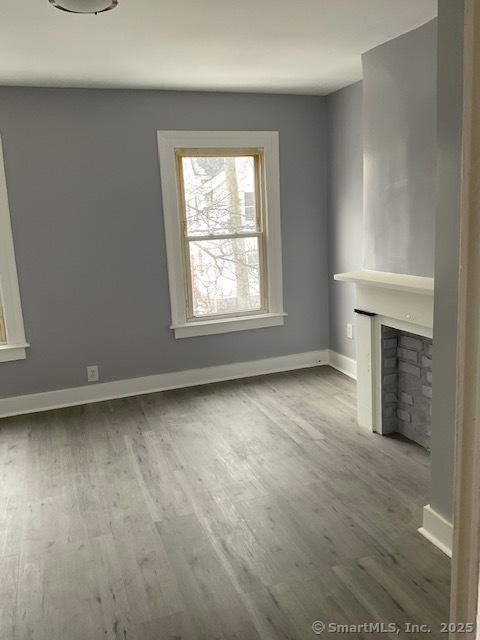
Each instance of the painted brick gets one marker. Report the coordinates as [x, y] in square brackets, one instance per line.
[407, 405]
[406, 398]
[411, 343]
[403, 415]
[426, 362]
[390, 353]
[407, 354]
[390, 424]
[390, 363]
[390, 343]
[388, 332]
[406, 367]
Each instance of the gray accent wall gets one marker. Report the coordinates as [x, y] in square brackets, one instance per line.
[400, 102]
[83, 177]
[345, 208]
[447, 240]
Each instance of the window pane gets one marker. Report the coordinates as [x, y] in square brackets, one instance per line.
[225, 276]
[219, 194]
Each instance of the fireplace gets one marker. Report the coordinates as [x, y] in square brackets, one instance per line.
[398, 307]
[406, 384]
[394, 328]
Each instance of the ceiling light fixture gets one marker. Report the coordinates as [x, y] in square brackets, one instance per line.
[84, 6]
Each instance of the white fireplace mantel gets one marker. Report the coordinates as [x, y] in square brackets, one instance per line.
[394, 299]
[393, 295]
[385, 280]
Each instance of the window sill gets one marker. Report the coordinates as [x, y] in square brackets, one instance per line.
[226, 325]
[9, 352]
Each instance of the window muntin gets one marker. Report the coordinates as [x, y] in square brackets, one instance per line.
[221, 196]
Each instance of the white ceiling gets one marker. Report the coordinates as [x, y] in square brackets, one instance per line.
[285, 46]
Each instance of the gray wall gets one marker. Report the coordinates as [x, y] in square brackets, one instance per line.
[388, 222]
[399, 89]
[83, 178]
[450, 104]
[345, 207]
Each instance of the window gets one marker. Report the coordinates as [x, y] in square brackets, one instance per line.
[222, 221]
[12, 335]
[223, 241]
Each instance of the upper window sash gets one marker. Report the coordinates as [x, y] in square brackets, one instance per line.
[256, 154]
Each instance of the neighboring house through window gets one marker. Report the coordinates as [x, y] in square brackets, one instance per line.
[222, 220]
[12, 334]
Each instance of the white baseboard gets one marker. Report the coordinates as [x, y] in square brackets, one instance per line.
[437, 530]
[161, 382]
[346, 365]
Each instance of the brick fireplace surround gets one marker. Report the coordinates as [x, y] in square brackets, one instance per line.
[407, 384]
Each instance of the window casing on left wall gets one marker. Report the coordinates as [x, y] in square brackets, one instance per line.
[12, 333]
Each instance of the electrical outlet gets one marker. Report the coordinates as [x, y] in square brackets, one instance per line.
[92, 373]
[350, 331]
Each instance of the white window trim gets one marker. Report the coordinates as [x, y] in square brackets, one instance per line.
[14, 349]
[168, 141]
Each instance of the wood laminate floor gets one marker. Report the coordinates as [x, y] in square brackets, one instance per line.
[243, 510]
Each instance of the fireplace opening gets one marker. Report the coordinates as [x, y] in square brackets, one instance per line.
[407, 384]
